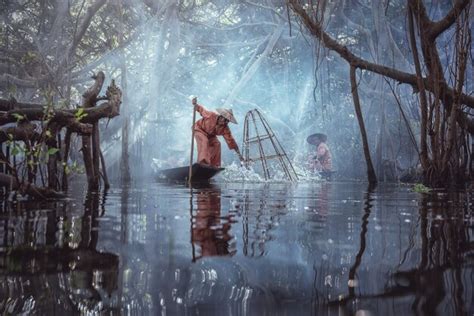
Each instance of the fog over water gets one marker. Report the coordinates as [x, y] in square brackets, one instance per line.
[248, 56]
[244, 55]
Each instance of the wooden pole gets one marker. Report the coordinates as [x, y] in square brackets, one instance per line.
[192, 146]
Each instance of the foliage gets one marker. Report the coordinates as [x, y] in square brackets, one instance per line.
[80, 114]
[421, 188]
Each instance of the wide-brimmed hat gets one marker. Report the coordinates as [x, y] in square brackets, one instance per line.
[228, 114]
[313, 138]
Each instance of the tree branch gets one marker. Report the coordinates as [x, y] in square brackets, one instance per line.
[358, 62]
[442, 25]
[108, 109]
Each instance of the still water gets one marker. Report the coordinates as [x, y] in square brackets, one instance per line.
[322, 248]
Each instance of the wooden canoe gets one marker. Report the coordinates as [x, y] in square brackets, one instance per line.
[200, 173]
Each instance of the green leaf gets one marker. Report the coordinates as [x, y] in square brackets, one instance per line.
[52, 151]
[18, 117]
[15, 151]
[420, 188]
[79, 112]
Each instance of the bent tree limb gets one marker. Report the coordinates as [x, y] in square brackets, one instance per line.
[89, 150]
[108, 109]
[344, 52]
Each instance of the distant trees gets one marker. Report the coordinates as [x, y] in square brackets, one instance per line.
[438, 40]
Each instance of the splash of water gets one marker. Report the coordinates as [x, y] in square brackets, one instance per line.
[304, 174]
[238, 173]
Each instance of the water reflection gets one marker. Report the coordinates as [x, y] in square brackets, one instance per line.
[210, 231]
[261, 208]
[435, 275]
[237, 249]
[353, 281]
[49, 262]
[446, 250]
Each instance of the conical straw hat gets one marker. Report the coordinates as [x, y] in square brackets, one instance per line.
[312, 139]
[228, 114]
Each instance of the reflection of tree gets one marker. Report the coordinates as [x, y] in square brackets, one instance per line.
[266, 211]
[445, 241]
[209, 230]
[363, 233]
[50, 260]
[352, 275]
[134, 289]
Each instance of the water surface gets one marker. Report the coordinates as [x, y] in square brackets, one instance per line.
[322, 248]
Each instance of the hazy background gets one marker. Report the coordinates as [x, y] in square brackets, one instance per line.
[238, 54]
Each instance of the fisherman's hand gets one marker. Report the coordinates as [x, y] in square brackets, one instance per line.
[240, 155]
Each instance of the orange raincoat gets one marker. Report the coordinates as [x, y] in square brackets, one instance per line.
[206, 131]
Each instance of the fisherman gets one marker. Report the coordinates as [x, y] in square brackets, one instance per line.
[320, 162]
[206, 131]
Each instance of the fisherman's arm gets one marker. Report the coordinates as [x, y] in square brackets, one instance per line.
[200, 109]
[231, 143]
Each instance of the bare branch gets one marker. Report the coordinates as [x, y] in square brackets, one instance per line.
[442, 25]
[358, 62]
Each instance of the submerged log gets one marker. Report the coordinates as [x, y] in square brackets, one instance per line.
[26, 188]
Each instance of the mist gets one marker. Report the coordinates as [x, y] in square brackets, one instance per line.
[246, 55]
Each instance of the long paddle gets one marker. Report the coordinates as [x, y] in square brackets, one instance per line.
[192, 143]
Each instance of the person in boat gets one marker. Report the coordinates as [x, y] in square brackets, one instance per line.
[320, 161]
[206, 131]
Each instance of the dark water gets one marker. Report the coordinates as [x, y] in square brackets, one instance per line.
[240, 249]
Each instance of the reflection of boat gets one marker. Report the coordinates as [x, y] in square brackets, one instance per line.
[327, 174]
[200, 173]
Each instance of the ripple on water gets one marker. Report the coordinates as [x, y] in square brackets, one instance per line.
[232, 247]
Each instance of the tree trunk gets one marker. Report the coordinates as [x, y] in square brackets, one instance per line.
[422, 95]
[96, 153]
[124, 161]
[67, 144]
[371, 176]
